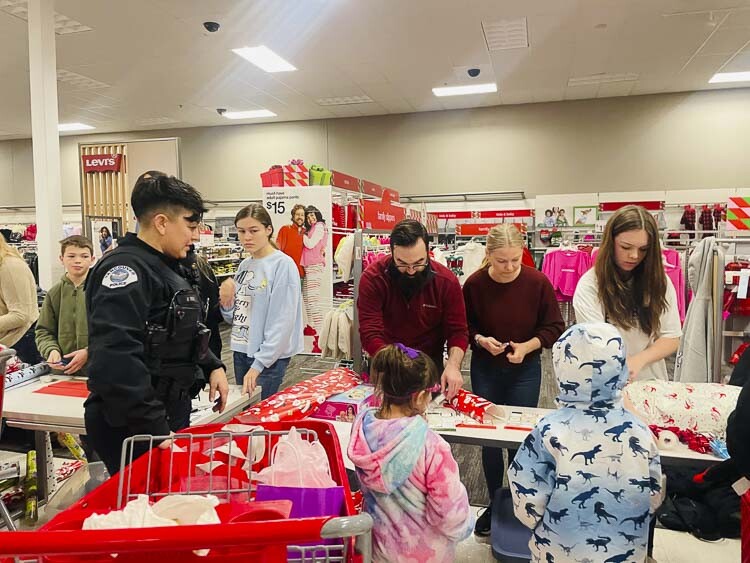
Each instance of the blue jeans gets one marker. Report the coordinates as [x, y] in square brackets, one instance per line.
[517, 386]
[269, 379]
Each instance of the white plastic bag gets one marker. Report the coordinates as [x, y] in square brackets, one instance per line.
[295, 462]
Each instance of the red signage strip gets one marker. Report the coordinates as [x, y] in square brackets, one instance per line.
[371, 188]
[379, 216]
[496, 214]
[390, 195]
[615, 205]
[344, 181]
[101, 163]
[477, 229]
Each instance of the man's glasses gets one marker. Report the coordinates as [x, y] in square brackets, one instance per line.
[412, 267]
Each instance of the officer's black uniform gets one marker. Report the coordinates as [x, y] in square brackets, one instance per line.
[146, 343]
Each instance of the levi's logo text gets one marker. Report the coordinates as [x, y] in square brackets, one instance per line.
[101, 162]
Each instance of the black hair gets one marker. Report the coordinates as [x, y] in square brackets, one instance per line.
[105, 229]
[398, 377]
[155, 191]
[407, 233]
[318, 216]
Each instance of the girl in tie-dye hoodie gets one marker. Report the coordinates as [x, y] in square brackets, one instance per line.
[407, 472]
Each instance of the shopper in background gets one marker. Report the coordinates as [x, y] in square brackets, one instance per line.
[62, 331]
[147, 343]
[409, 478]
[200, 274]
[19, 309]
[407, 298]
[628, 288]
[512, 314]
[290, 237]
[313, 261]
[263, 304]
[105, 240]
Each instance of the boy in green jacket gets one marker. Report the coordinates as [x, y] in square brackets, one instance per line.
[62, 333]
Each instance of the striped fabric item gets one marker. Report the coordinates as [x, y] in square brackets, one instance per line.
[311, 295]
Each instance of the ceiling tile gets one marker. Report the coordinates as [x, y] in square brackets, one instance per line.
[727, 41]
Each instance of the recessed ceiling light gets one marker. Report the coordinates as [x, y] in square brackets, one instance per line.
[721, 77]
[343, 101]
[264, 59]
[63, 127]
[601, 78]
[465, 90]
[253, 114]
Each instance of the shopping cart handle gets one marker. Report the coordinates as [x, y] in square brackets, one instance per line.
[182, 538]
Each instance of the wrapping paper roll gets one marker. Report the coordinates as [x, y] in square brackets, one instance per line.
[667, 440]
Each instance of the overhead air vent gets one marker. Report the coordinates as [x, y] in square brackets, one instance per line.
[601, 78]
[78, 81]
[63, 24]
[344, 101]
[506, 34]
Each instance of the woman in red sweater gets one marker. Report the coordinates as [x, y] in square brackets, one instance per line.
[512, 314]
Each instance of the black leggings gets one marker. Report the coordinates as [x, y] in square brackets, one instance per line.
[26, 349]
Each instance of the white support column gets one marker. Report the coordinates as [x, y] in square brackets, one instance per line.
[45, 138]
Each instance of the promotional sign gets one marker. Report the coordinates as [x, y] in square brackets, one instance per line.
[738, 214]
[317, 253]
[607, 206]
[104, 233]
[496, 214]
[101, 163]
[481, 229]
[381, 217]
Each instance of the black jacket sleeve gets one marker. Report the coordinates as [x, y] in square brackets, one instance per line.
[117, 318]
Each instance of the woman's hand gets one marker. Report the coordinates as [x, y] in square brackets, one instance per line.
[491, 345]
[635, 365]
[518, 352]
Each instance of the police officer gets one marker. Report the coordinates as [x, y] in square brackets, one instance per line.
[147, 342]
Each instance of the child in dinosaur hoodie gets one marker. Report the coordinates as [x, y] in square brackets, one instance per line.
[408, 475]
[587, 479]
[62, 331]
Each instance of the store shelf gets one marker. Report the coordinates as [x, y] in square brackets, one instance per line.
[224, 275]
[223, 259]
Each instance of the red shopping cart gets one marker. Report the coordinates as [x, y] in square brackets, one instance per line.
[5, 355]
[250, 530]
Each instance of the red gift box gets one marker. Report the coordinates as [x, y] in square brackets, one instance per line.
[273, 178]
[473, 405]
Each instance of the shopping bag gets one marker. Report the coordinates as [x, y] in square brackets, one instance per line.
[307, 502]
[296, 462]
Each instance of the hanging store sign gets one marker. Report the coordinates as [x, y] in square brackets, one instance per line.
[101, 163]
[608, 206]
[381, 217]
[344, 181]
[496, 214]
[481, 229]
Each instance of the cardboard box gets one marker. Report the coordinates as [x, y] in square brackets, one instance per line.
[345, 406]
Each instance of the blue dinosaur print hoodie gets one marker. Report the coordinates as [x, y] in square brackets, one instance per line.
[587, 479]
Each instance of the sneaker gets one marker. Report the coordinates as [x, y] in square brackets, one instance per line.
[484, 523]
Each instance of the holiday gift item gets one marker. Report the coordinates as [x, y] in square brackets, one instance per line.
[296, 173]
[345, 406]
[273, 178]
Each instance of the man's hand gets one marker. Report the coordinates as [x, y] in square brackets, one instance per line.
[78, 359]
[54, 357]
[218, 382]
[491, 345]
[451, 380]
[251, 377]
[226, 293]
[518, 353]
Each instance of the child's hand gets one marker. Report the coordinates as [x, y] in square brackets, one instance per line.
[226, 293]
[54, 358]
[78, 359]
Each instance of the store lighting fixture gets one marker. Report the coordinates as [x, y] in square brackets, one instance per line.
[722, 77]
[65, 127]
[253, 114]
[264, 59]
[487, 88]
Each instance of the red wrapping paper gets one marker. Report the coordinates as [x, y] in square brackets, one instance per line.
[470, 404]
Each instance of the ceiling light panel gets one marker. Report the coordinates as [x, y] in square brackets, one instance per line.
[78, 81]
[506, 34]
[64, 127]
[724, 77]
[264, 59]
[469, 89]
[63, 24]
[602, 78]
[253, 114]
[344, 101]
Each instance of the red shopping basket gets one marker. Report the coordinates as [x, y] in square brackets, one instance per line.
[249, 531]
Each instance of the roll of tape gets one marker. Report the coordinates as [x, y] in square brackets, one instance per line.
[667, 440]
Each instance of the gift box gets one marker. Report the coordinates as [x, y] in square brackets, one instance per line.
[296, 175]
[273, 178]
[345, 406]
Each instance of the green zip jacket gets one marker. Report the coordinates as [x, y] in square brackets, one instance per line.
[62, 323]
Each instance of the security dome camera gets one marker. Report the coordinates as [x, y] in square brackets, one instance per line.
[211, 27]
[221, 111]
[473, 72]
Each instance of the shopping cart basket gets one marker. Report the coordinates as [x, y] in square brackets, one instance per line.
[245, 534]
[5, 355]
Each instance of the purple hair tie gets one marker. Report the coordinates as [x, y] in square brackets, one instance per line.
[410, 352]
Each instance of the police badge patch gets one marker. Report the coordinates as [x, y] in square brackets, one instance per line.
[119, 276]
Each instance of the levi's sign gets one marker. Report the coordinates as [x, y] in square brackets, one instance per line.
[101, 163]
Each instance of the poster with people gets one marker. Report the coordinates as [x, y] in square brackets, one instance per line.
[302, 225]
[104, 233]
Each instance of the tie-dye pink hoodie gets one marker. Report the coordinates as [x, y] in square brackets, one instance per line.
[411, 489]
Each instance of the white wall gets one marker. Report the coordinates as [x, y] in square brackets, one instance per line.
[642, 143]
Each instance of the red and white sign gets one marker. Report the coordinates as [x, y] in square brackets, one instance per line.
[382, 217]
[101, 163]
[344, 181]
[607, 206]
[495, 214]
[477, 229]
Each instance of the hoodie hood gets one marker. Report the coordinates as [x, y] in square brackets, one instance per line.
[589, 362]
[386, 451]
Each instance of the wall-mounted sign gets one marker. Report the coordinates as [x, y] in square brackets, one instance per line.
[101, 163]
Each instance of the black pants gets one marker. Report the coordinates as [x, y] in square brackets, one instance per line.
[26, 349]
[107, 440]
